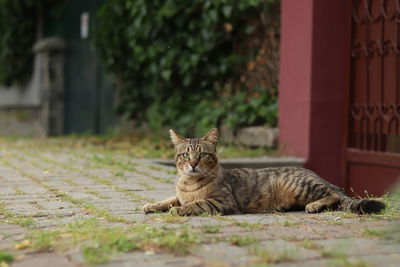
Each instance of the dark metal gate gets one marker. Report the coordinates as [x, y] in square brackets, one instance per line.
[372, 153]
[89, 91]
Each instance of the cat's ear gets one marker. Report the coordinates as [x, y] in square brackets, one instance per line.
[176, 138]
[211, 136]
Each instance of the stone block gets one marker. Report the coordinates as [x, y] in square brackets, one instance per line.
[252, 136]
[257, 136]
[43, 260]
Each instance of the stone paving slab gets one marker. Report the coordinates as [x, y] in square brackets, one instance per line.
[223, 253]
[47, 259]
[154, 260]
[44, 188]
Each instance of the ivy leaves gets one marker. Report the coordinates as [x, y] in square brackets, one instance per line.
[170, 54]
[17, 35]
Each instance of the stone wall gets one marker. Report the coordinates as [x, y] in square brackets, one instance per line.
[20, 122]
[36, 108]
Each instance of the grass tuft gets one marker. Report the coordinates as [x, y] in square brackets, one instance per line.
[211, 228]
[5, 257]
[242, 224]
[242, 240]
[267, 256]
[289, 223]
[22, 220]
[309, 245]
[392, 233]
[169, 218]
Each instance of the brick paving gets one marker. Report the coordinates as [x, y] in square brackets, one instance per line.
[54, 184]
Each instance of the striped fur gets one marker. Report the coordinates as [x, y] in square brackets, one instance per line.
[204, 187]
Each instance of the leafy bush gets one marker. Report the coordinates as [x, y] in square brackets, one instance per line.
[184, 63]
[17, 35]
[196, 114]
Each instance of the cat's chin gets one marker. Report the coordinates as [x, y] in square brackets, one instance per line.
[192, 174]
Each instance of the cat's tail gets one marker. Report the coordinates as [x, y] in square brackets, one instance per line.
[361, 206]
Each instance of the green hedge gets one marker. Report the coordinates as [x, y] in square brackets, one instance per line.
[17, 35]
[180, 63]
[186, 64]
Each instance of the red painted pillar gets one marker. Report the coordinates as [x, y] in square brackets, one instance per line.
[295, 77]
[312, 80]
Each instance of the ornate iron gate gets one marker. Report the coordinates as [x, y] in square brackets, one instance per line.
[372, 155]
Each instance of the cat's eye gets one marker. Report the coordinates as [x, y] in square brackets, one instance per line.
[185, 155]
[203, 155]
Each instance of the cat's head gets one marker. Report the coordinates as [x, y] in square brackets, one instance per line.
[196, 156]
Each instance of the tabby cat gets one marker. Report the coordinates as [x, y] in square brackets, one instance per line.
[205, 187]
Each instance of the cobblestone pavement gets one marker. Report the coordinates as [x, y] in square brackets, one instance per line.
[49, 186]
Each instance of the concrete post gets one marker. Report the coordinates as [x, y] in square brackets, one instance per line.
[51, 51]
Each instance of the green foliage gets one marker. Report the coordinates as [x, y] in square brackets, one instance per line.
[174, 61]
[242, 240]
[200, 112]
[17, 35]
[5, 257]
[211, 228]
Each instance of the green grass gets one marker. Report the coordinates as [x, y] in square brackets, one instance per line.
[89, 207]
[172, 172]
[108, 161]
[392, 211]
[267, 256]
[234, 151]
[344, 262]
[155, 168]
[159, 179]
[392, 233]
[136, 146]
[147, 186]
[392, 202]
[100, 243]
[375, 232]
[96, 193]
[5, 257]
[18, 191]
[25, 222]
[96, 178]
[245, 225]
[309, 245]
[169, 218]
[22, 220]
[338, 257]
[119, 174]
[243, 240]
[211, 228]
[289, 223]
[43, 241]
[336, 252]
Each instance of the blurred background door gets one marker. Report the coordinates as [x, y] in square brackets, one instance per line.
[88, 90]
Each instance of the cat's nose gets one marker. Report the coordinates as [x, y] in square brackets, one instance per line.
[193, 165]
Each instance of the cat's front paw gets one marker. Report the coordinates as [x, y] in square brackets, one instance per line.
[179, 211]
[149, 208]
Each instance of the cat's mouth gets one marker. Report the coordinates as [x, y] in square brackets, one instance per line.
[192, 171]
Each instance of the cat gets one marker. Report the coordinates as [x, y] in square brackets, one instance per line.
[205, 187]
